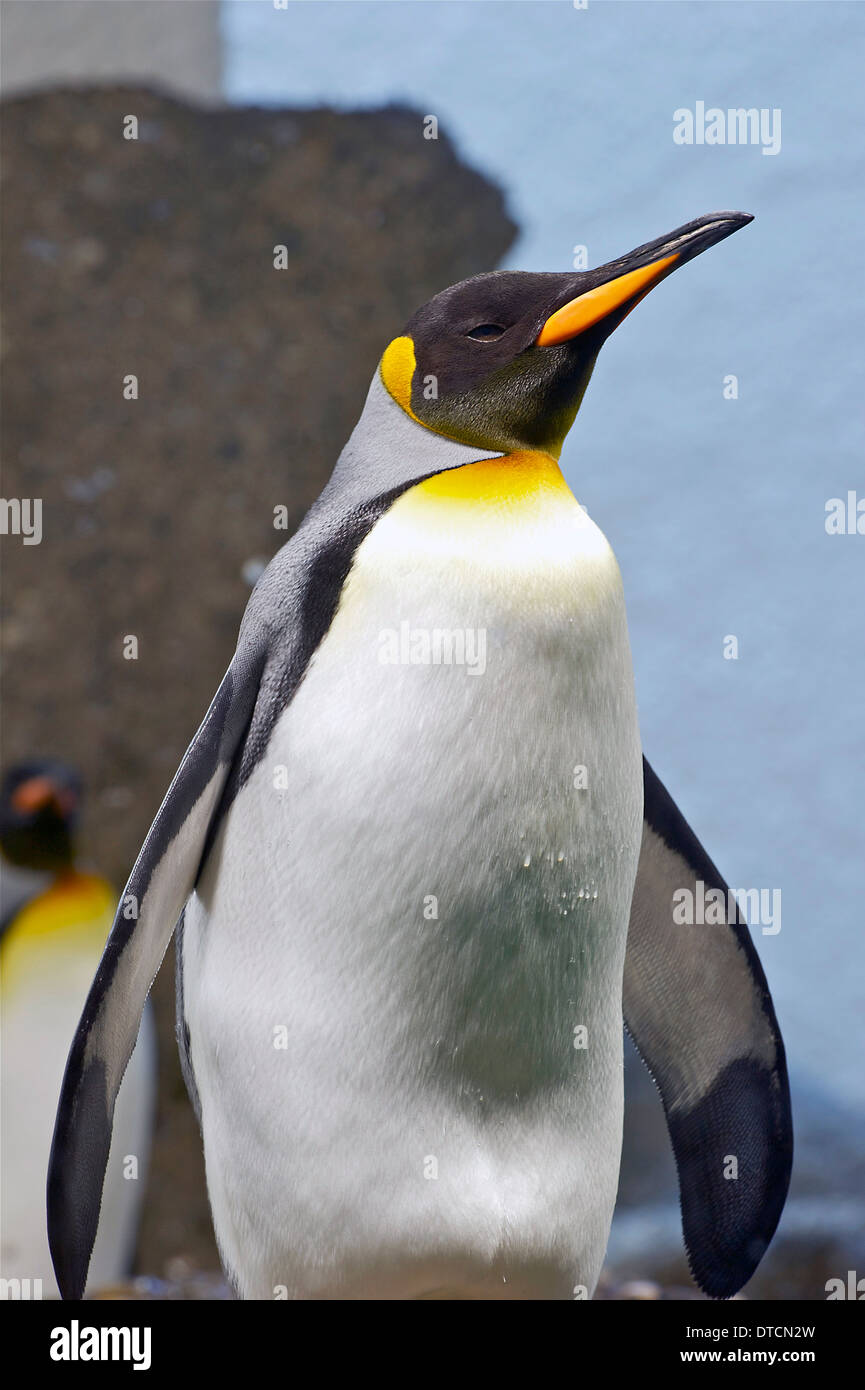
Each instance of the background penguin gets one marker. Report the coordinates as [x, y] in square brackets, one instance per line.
[407, 886]
[54, 920]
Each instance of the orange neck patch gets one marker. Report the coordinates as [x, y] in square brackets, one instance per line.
[523, 476]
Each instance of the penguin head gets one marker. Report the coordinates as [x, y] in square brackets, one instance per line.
[501, 361]
[39, 806]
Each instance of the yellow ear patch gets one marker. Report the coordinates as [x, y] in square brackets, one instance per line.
[397, 370]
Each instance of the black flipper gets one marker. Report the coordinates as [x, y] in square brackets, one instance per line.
[698, 1008]
[161, 881]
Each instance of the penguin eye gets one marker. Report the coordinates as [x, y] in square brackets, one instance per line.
[485, 332]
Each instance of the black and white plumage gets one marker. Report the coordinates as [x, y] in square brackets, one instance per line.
[397, 906]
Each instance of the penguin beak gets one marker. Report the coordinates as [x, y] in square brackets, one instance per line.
[38, 793]
[621, 284]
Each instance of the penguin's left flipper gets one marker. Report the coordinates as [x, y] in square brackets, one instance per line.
[161, 881]
[698, 1008]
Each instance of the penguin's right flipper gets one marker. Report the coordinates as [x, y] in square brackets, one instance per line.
[697, 1005]
[161, 881]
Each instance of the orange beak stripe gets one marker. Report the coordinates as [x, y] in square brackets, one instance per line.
[35, 793]
[589, 308]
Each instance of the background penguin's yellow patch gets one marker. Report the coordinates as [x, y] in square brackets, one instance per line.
[72, 917]
[397, 369]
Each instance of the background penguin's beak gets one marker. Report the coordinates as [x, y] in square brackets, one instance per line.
[38, 793]
[622, 283]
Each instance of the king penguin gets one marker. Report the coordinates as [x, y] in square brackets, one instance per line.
[54, 920]
[422, 872]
